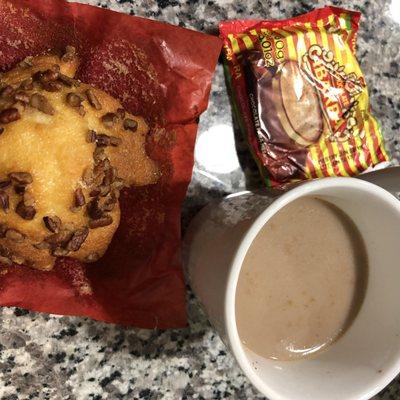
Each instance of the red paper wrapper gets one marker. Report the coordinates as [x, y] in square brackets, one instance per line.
[163, 73]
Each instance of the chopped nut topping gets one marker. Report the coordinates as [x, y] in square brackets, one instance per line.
[19, 189]
[118, 184]
[9, 115]
[93, 100]
[69, 55]
[108, 176]
[4, 184]
[98, 223]
[59, 252]
[24, 211]
[121, 113]
[42, 245]
[78, 238]
[6, 91]
[17, 259]
[22, 97]
[87, 176]
[3, 230]
[104, 190]
[5, 261]
[81, 110]
[67, 81]
[94, 192]
[91, 136]
[15, 235]
[53, 86]
[92, 257]
[93, 209]
[52, 223]
[102, 140]
[23, 178]
[26, 62]
[27, 84]
[28, 199]
[40, 102]
[49, 75]
[4, 201]
[115, 141]
[79, 198]
[99, 155]
[130, 124]
[109, 119]
[74, 100]
[60, 238]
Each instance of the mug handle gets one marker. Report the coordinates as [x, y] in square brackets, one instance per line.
[388, 179]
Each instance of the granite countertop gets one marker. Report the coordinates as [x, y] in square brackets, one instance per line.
[51, 357]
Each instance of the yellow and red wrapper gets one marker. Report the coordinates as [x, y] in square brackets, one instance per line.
[300, 96]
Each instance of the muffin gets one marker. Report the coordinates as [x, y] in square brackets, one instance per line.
[66, 151]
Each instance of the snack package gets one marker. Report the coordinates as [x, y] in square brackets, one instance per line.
[300, 96]
[162, 73]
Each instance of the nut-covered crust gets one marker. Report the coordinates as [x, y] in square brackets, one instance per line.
[66, 151]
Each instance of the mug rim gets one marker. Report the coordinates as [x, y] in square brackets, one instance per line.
[376, 385]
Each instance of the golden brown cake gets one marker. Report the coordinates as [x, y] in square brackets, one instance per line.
[66, 151]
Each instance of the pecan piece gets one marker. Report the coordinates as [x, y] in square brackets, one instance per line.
[93, 100]
[130, 124]
[28, 199]
[87, 176]
[22, 97]
[94, 192]
[14, 235]
[69, 55]
[6, 91]
[78, 238]
[5, 184]
[9, 115]
[121, 113]
[59, 239]
[17, 259]
[115, 141]
[3, 230]
[91, 136]
[23, 178]
[73, 99]
[103, 140]
[92, 257]
[52, 223]
[40, 102]
[1, 130]
[99, 223]
[5, 261]
[49, 75]
[19, 189]
[27, 84]
[26, 62]
[79, 198]
[99, 155]
[24, 211]
[53, 86]
[42, 245]
[4, 201]
[67, 81]
[93, 209]
[109, 119]
[59, 252]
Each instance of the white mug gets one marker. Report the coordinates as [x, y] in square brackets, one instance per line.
[367, 357]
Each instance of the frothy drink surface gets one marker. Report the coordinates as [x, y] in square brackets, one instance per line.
[302, 281]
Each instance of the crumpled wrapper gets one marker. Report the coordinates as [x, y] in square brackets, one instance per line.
[163, 73]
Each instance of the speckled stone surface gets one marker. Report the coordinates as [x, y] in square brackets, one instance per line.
[51, 357]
